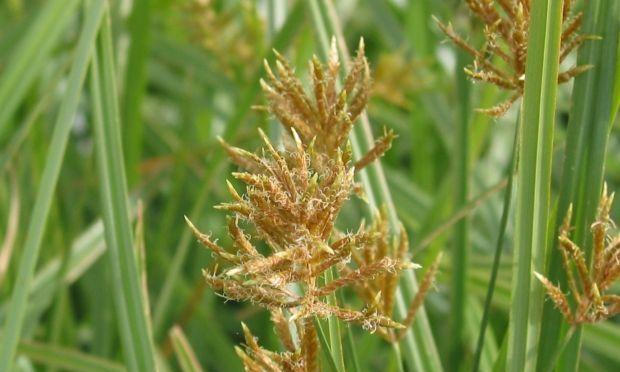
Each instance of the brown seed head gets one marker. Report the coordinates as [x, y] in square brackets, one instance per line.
[501, 60]
[592, 302]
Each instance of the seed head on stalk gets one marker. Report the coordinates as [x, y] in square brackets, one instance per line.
[590, 288]
[501, 60]
[291, 201]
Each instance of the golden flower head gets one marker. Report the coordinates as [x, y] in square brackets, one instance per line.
[501, 60]
[590, 288]
[291, 201]
[326, 116]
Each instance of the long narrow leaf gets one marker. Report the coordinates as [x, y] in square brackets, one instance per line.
[135, 84]
[31, 55]
[460, 248]
[183, 350]
[499, 245]
[534, 181]
[67, 359]
[130, 302]
[584, 160]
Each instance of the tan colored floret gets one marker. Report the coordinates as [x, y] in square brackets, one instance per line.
[291, 201]
[589, 292]
[501, 60]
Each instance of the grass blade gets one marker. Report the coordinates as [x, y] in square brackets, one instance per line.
[534, 181]
[460, 248]
[38, 219]
[135, 85]
[10, 234]
[325, 348]
[349, 345]
[183, 350]
[593, 163]
[489, 351]
[31, 54]
[591, 118]
[333, 326]
[134, 327]
[498, 253]
[66, 359]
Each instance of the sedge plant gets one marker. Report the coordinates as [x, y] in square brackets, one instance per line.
[292, 199]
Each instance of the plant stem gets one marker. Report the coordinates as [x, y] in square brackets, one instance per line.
[498, 251]
[460, 246]
[129, 298]
[534, 181]
[590, 120]
[135, 86]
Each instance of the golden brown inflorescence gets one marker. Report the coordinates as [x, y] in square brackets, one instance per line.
[301, 356]
[501, 60]
[232, 32]
[292, 199]
[589, 291]
[379, 293]
[327, 114]
[293, 207]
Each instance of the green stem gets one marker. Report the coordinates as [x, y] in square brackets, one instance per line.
[333, 325]
[460, 248]
[135, 80]
[498, 252]
[31, 54]
[325, 347]
[128, 294]
[591, 117]
[534, 181]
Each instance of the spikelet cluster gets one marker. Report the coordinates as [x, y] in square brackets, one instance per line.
[397, 76]
[501, 60]
[297, 356]
[380, 292]
[591, 285]
[327, 113]
[232, 33]
[292, 199]
[292, 207]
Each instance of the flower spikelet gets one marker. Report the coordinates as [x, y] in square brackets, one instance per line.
[379, 293]
[589, 292]
[302, 357]
[282, 225]
[292, 199]
[328, 113]
[232, 33]
[501, 60]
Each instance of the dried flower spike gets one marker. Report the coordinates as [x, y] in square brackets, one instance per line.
[326, 116]
[293, 206]
[501, 60]
[233, 34]
[380, 292]
[589, 292]
[292, 199]
[302, 357]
